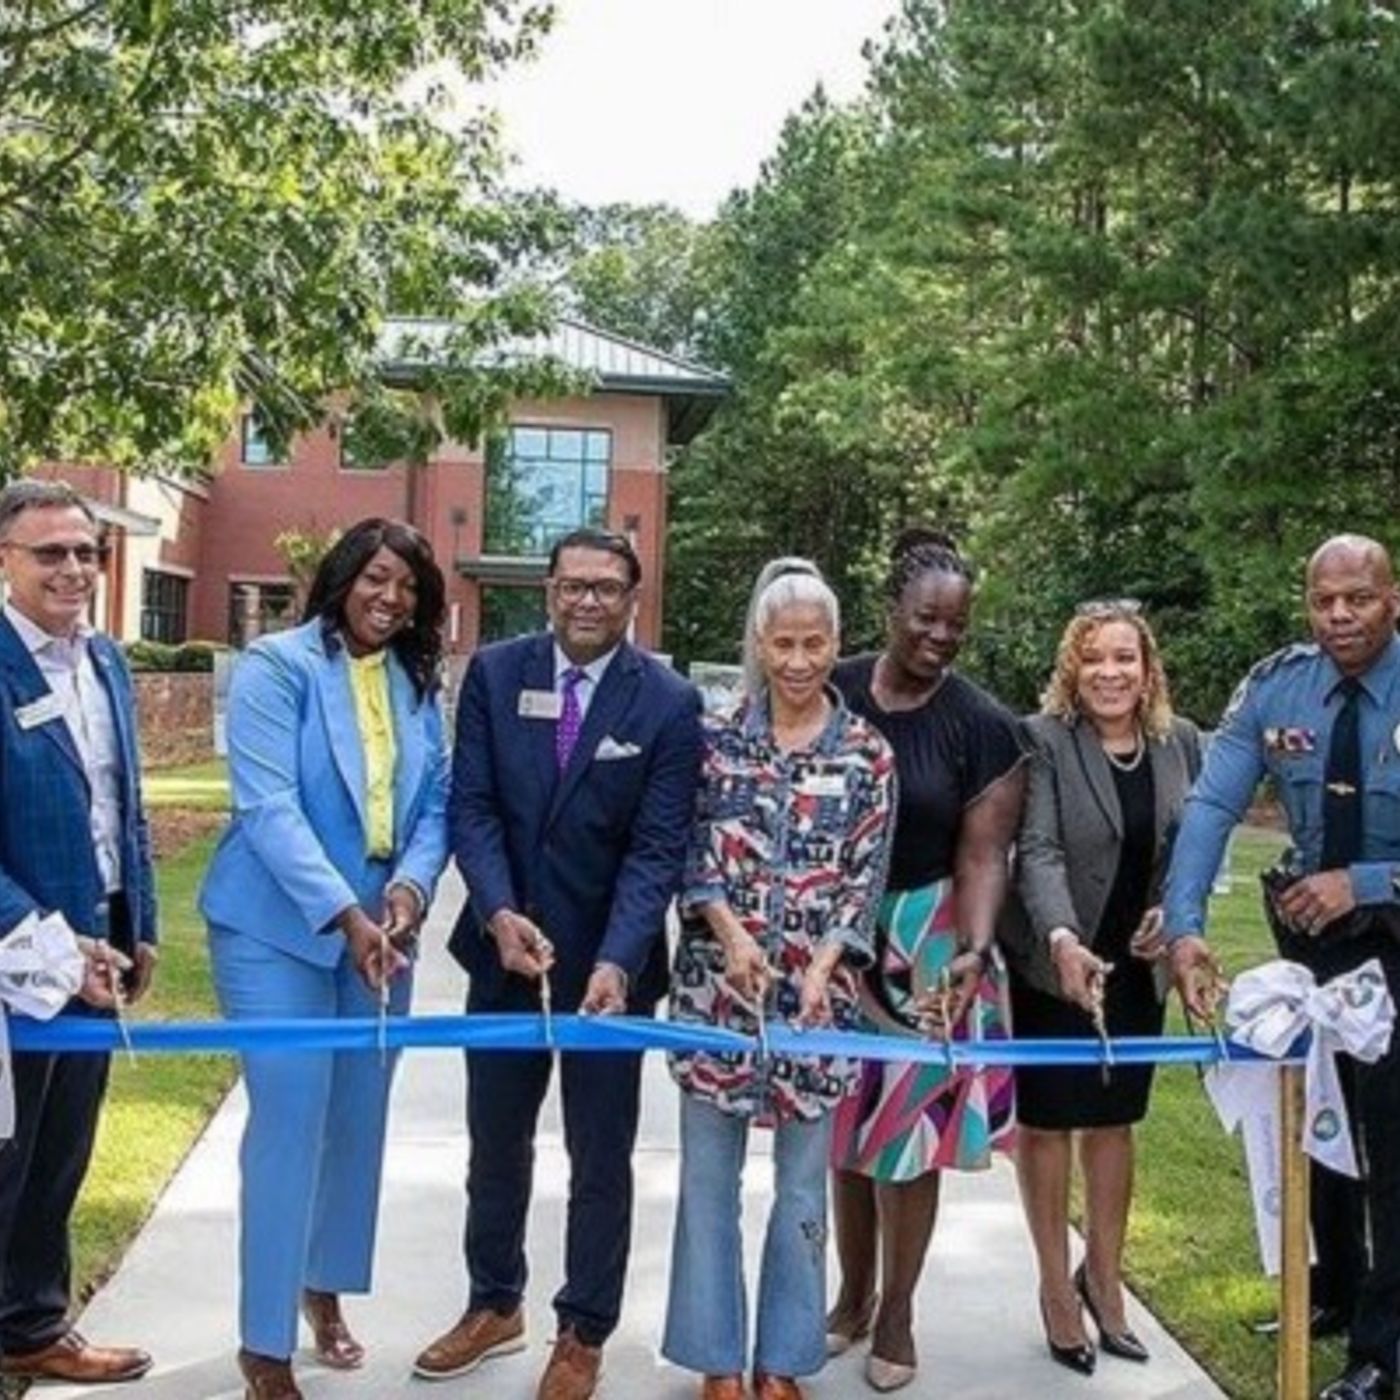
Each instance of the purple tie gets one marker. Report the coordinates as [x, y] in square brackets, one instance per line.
[570, 717]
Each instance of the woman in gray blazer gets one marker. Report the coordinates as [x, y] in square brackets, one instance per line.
[1108, 778]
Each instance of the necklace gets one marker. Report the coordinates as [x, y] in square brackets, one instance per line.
[1126, 765]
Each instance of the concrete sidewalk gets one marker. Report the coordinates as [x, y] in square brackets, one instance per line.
[978, 1331]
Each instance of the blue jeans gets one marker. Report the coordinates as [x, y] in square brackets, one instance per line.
[707, 1311]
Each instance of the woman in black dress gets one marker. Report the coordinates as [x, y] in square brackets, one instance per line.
[1110, 772]
[960, 764]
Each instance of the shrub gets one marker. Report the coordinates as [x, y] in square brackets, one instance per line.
[162, 656]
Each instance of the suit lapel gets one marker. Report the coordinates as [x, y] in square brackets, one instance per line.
[408, 746]
[27, 685]
[1094, 766]
[342, 728]
[1168, 782]
[614, 693]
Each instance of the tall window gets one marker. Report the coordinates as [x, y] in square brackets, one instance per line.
[255, 608]
[257, 450]
[543, 482]
[164, 606]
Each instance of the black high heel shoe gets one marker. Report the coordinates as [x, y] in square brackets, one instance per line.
[1126, 1345]
[1079, 1357]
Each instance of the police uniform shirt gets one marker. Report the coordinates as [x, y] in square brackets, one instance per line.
[1279, 723]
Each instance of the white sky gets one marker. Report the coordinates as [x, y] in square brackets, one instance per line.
[677, 101]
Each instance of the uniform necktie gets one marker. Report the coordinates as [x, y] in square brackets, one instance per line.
[570, 717]
[1341, 796]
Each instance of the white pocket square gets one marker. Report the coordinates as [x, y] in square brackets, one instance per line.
[610, 748]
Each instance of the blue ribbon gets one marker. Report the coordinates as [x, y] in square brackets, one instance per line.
[602, 1033]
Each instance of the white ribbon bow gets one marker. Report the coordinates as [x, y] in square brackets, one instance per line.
[41, 967]
[1270, 1006]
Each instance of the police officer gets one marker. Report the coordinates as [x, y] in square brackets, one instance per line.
[1323, 721]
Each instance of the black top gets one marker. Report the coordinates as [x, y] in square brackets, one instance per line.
[1127, 900]
[947, 752]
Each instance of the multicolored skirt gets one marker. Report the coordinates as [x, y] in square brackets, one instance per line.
[902, 1120]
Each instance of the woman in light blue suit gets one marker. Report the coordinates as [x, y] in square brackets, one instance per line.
[314, 900]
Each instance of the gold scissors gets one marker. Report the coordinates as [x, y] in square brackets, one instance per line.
[1096, 994]
[1217, 990]
[119, 1006]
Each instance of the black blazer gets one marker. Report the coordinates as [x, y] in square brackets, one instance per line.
[1071, 835]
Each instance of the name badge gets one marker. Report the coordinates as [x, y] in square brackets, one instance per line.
[539, 704]
[823, 785]
[40, 711]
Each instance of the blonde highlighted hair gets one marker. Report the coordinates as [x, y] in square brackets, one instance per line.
[1061, 697]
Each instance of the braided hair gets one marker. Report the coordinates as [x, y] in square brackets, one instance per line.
[919, 550]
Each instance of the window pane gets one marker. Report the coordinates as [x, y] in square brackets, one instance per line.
[531, 501]
[597, 446]
[255, 608]
[510, 612]
[529, 442]
[164, 605]
[257, 451]
[565, 445]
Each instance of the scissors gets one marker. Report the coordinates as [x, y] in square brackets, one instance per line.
[757, 1008]
[382, 1029]
[1210, 1025]
[1100, 1025]
[547, 1010]
[119, 1006]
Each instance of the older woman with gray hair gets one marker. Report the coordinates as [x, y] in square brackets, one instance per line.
[786, 868]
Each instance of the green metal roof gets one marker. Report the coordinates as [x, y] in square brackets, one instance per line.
[613, 363]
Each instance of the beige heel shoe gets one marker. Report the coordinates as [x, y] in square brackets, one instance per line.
[838, 1343]
[885, 1375]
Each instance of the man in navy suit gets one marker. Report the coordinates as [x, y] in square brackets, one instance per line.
[73, 841]
[574, 777]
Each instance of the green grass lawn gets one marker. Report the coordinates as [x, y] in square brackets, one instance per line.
[1191, 1246]
[202, 786]
[156, 1108]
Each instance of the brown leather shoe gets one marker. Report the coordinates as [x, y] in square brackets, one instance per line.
[573, 1370]
[722, 1388]
[478, 1336]
[74, 1359]
[334, 1343]
[775, 1387]
[267, 1377]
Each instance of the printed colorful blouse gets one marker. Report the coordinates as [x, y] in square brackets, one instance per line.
[796, 844]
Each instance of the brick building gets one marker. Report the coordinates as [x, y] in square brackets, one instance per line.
[198, 560]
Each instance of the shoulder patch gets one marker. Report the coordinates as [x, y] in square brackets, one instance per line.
[1295, 654]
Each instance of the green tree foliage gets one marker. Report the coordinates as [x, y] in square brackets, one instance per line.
[203, 203]
[640, 271]
[1110, 290]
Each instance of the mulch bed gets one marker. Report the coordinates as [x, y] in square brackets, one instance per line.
[174, 828]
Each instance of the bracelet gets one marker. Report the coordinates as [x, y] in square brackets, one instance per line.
[984, 954]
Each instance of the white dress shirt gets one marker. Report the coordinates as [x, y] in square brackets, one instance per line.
[67, 666]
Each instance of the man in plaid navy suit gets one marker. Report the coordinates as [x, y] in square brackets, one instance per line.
[73, 841]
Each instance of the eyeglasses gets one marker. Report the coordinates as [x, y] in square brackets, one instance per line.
[1109, 607]
[608, 591]
[54, 556]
